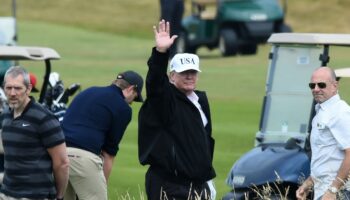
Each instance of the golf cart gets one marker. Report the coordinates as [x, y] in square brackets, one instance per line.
[8, 37]
[280, 160]
[18, 53]
[235, 26]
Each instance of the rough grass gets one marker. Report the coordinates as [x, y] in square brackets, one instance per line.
[235, 87]
[94, 58]
[135, 18]
[93, 38]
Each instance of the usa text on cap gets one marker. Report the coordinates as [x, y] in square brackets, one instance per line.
[183, 62]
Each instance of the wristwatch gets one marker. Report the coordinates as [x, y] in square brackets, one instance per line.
[333, 190]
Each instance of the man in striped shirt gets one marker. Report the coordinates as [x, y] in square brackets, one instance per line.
[36, 161]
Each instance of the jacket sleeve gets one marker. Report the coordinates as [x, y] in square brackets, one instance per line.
[158, 87]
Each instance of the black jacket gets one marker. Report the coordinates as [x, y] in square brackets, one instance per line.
[172, 138]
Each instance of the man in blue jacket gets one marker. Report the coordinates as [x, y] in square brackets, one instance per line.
[175, 126]
[94, 125]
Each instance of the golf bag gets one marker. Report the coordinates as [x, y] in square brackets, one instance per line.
[57, 97]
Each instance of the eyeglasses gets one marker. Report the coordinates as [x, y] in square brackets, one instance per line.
[320, 85]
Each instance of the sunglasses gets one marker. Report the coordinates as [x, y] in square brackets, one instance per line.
[320, 85]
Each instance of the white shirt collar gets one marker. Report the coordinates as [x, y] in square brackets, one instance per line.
[193, 97]
[327, 103]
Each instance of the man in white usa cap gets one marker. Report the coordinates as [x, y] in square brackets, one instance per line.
[175, 126]
[184, 68]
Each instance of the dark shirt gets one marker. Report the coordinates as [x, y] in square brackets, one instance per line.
[28, 165]
[96, 120]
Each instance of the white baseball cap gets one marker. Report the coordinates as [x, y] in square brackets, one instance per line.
[183, 62]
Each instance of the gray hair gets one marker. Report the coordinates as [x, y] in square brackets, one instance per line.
[15, 71]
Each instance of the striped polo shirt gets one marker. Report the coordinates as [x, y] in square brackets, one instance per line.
[28, 165]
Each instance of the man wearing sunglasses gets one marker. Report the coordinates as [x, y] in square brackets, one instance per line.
[330, 140]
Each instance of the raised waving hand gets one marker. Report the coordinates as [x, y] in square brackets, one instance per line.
[162, 36]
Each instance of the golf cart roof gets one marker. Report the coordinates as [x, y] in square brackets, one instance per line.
[310, 38]
[27, 53]
[342, 72]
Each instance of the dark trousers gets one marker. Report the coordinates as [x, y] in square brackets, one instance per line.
[172, 11]
[159, 188]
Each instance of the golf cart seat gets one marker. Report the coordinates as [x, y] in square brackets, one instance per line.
[207, 8]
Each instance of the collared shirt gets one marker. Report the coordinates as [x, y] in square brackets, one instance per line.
[194, 99]
[330, 136]
[28, 165]
[97, 119]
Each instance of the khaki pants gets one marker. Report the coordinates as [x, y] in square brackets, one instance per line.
[86, 177]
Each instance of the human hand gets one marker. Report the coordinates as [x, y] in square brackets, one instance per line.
[302, 192]
[162, 36]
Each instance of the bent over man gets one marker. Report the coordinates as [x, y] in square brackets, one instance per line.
[94, 125]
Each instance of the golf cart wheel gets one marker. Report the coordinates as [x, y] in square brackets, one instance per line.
[284, 28]
[228, 42]
[183, 45]
[248, 49]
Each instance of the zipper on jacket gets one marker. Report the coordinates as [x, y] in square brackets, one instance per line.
[174, 159]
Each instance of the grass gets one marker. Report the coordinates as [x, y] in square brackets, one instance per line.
[135, 18]
[96, 61]
[100, 38]
[235, 86]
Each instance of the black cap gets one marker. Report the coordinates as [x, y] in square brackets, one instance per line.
[135, 79]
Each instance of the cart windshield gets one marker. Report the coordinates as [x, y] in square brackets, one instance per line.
[288, 101]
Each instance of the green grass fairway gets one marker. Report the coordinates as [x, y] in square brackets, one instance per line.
[235, 86]
[135, 18]
[99, 38]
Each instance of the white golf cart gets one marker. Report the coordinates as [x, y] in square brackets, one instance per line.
[280, 160]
